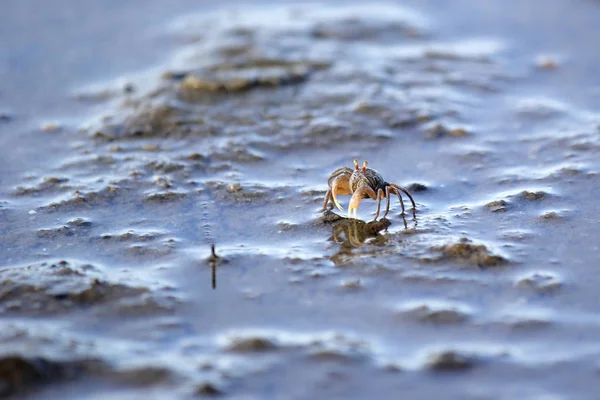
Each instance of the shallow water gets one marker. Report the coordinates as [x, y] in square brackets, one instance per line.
[161, 131]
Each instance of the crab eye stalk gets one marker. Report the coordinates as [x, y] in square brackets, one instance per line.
[364, 167]
[356, 164]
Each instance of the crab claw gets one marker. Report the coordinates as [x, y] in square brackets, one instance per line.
[339, 186]
[335, 201]
[357, 196]
[354, 202]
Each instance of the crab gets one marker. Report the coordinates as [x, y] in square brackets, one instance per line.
[363, 183]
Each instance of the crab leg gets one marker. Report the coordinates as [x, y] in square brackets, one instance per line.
[327, 198]
[380, 195]
[357, 197]
[387, 205]
[409, 196]
[397, 192]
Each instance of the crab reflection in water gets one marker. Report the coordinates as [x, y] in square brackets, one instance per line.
[352, 233]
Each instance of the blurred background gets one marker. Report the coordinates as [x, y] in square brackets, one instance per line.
[135, 135]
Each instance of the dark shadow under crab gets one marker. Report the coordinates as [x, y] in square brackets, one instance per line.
[363, 183]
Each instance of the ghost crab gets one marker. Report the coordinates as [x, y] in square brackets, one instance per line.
[363, 183]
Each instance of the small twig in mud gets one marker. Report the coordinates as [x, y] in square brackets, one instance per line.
[213, 260]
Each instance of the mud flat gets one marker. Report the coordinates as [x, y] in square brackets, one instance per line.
[227, 134]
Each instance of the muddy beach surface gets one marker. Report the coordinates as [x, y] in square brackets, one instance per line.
[133, 137]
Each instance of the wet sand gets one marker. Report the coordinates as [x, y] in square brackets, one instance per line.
[160, 131]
